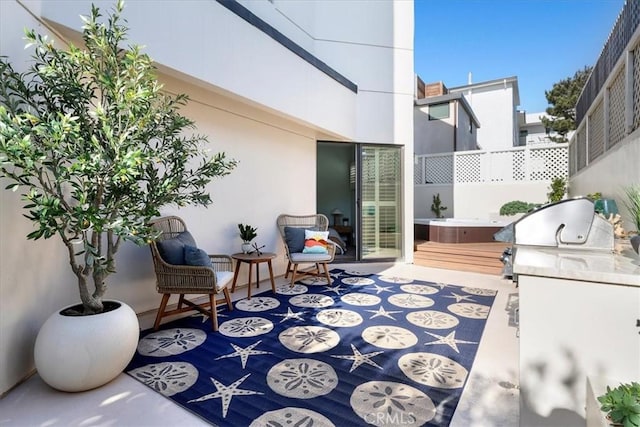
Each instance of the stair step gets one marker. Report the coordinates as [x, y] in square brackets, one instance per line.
[474, 257]
[495, 271]
[493, 260]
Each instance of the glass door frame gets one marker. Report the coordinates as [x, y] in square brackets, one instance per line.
[358, 223]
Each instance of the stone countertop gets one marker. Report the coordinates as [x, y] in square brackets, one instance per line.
[622, 267]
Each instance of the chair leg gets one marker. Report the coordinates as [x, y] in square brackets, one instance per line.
[293, 275]
[214, 312]
[180, 301]
[227, 298]
[326, 273]
[286, 272]
[163, 306]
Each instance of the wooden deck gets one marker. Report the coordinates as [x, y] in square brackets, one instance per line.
[473, 257]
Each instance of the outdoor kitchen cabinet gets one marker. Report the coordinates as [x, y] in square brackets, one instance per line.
[578, 318]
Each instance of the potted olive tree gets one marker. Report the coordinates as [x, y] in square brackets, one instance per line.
[96, 149]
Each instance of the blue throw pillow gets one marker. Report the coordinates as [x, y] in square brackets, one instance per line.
[172, 250]
[294, 237]
[195, 256]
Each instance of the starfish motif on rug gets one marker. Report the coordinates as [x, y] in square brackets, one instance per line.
[244, 353]
[360, 358]
[336, 275]
[449, 340]
[379, 288]
[226, 393]
[459, 298]
[335, 289]
[290, 315]
[382, 312]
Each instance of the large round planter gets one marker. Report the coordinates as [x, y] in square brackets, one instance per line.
[78, 353]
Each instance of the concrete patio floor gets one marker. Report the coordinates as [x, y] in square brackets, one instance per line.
[490, 397]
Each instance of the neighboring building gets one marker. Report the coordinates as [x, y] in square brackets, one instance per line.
[272, 83]
[466, 143]
[533, 131]
[494, 103]
[443, 122]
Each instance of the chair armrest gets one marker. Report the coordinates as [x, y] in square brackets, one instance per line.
[221, 262]
[331, 248]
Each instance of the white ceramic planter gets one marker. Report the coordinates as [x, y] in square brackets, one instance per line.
[77, 353]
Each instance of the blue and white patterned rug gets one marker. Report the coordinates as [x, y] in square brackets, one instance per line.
[367, 349]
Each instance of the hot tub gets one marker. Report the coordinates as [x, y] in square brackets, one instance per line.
[456, 230]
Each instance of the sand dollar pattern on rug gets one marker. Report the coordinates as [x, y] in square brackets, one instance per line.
[359, 343]
[309, 339]
[167, 378]
[386, 403]
[292, 417]
[302, 378]
[171, 342]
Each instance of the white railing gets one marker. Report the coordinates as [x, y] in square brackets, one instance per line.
[517, 164]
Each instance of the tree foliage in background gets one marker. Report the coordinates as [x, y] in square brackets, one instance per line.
[97, 148]
[563, 98]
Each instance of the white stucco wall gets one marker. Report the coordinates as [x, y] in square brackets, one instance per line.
[465, 140]
[206, 41]
[494, 107]
[610, 174]
[256, 101]
[424, 198]
[483, 200]
[432, 136]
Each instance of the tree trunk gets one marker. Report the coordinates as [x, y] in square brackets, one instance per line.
[92, 304]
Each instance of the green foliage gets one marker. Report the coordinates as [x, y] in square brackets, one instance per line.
[563, 97]
[632, 203]
[436, 207]
[558, 189]
[247, 232]
[516, 207]
[622, 404]
[594, 196]
[97, 148]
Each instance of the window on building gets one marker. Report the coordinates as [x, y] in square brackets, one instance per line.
[439, 111]
[523, 137]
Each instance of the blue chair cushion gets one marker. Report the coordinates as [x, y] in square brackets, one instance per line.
[196, 256]
[294, 237]
[172, 250]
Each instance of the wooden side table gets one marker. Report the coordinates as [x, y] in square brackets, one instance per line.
[252, 259]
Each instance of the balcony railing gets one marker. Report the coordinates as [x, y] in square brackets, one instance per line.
[518, 164]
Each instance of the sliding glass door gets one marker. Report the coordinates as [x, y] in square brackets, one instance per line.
[380, 202]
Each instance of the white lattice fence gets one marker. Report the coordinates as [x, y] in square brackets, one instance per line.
[636, 87]
[616, 109]
[418, 170]
[548, 163]
[596, 132]
[519, 164]
[468, 167]
[439, 169]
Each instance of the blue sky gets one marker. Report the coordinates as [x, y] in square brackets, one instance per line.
[539, 41]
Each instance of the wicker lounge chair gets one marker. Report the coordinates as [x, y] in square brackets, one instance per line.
[184, 279]
[316, 222]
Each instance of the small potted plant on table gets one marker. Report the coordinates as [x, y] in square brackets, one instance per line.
[247, 234]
